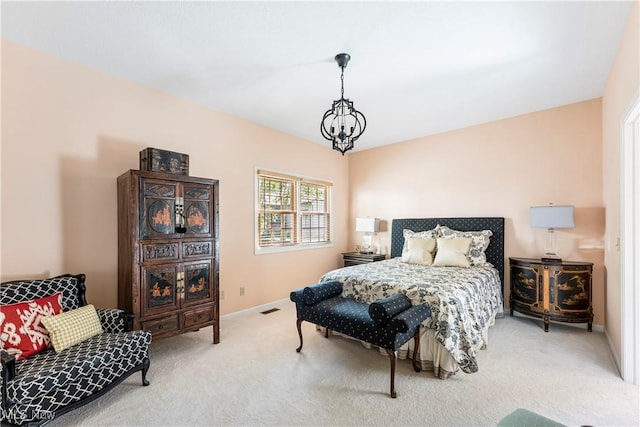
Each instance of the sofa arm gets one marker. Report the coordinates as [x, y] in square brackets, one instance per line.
[385, 309]
[115, 320]
[313, 294]
[296, 296]
[409, 319]
[8, 373]
[321, 291]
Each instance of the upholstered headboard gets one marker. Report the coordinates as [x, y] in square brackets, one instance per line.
[495, 251]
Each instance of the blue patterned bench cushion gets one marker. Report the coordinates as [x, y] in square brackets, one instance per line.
[352, 318]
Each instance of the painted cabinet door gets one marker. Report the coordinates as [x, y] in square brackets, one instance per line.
[160, 291]
[157, 208]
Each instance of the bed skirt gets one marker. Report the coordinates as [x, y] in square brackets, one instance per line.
[432, 355]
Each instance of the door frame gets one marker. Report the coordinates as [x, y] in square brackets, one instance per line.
[630, 244]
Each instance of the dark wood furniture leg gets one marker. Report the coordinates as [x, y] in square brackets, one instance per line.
[416, 345]
[393, 356]
[145, 369]
[298, 323]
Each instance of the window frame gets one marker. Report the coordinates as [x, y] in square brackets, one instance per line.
[298, 212]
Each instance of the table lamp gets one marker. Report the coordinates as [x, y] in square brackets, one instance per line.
[551, 217]
[368, 226]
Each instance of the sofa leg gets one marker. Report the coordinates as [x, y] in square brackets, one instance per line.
[393, 356]
[416, 345]
[145, 369]
[298, 323]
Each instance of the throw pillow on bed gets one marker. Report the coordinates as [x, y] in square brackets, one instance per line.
[410, 234]
[22, 332]
[452, 252]
[479, 243]
[73, 326]
[419, 251]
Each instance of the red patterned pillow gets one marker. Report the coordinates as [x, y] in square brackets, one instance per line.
[21, 329]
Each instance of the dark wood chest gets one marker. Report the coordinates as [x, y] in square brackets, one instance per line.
[168, 247]
[559, 291]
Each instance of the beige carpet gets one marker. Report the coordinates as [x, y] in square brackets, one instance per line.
[255, 377]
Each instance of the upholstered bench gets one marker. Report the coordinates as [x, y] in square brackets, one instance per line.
[41, 386]
[387, 323]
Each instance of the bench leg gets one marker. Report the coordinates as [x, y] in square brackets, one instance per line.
[416, 345]
[298, 323]
[145, 369]
[393, 356]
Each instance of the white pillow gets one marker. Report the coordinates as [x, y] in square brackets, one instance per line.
[479, 243]
[452, 252]
[419, 251]
[408, 234]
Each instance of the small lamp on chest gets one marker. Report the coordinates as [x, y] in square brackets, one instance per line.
[551, 217]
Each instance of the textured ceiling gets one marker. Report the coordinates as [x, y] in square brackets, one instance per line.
[417, 68]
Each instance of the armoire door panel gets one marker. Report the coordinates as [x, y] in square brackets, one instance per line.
[157, 209]
[160, 288]
[198, 282]
[197, 209]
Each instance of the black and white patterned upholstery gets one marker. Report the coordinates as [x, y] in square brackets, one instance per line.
[72, 287]
[113, 319]
[48, 384]
[387, 323]
[495, 251]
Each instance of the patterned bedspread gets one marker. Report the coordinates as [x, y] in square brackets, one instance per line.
[463, 301]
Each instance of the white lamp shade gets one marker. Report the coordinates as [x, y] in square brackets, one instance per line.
[369, 225]
[552, 216]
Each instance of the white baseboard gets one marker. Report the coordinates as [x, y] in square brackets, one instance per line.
[257, 309]
[614, 354]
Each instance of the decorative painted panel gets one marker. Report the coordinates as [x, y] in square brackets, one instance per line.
[197, 286]
[160, 287]
[526, 280]
[197, 209]
[157, 216]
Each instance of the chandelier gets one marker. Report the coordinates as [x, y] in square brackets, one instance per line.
[342, 124]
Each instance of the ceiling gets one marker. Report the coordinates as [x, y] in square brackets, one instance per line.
[417, 68]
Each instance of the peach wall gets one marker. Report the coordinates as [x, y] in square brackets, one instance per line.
[496, 169]
[622, 89]
[69, 131]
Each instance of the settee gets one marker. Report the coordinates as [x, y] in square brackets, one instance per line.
[53, 381]
[387, 323]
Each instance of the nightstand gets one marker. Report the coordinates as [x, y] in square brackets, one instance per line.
[354, 258]
[552, 290]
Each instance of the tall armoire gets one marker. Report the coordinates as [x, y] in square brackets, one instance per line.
[168, 252]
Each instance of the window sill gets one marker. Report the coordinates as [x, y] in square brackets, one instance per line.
[292, 248]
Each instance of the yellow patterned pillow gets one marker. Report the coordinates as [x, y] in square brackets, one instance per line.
[71, 327]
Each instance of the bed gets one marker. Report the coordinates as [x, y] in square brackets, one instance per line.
[464, 301]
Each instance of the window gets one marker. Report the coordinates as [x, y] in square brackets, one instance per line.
[291, 211]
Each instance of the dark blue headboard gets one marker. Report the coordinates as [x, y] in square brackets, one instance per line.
[495, 251]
